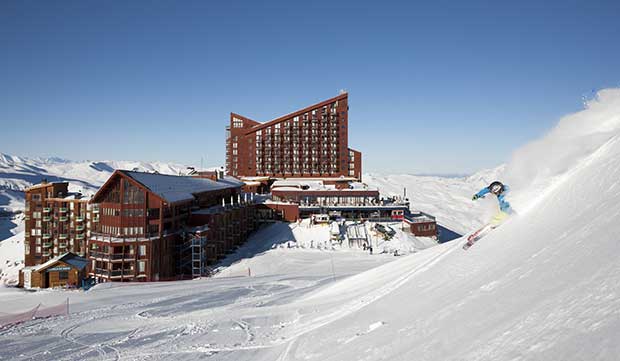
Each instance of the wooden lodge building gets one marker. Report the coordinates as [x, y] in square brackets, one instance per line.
[137, 227]
[152, 226]
[66, 270]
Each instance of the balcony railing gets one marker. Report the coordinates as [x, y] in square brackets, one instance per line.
[79, 236]
[101, 271]
[47, 236]
[63, 219]
[97, 254]
[63, 209]
[47, 245]
[47, 209]
[79, 228]
[63, 236]
[95, 219]
[79, 219]
[47, 219]
[62, 245]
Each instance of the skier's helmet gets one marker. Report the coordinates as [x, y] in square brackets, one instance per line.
[496, 188]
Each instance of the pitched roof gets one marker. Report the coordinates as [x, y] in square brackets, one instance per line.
[174, 188]
[295, 113]
[68, 258]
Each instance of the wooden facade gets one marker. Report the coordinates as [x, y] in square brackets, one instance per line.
[56, 222]
[140, 233]
[66, 270]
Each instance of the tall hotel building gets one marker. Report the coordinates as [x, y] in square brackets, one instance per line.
[309, 143]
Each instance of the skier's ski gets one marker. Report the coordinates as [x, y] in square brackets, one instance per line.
[474, 237]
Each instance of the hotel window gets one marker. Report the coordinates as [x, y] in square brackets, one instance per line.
[237, 123]
[38, 250]
[132, 194]
[141, 266]
[142, 250]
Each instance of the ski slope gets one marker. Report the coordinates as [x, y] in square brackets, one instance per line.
[544, 286]
[447, 199]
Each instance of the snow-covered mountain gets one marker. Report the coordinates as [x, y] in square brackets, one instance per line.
[544, 286]
[19, 173]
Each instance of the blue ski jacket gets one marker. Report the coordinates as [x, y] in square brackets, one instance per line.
[504, 206]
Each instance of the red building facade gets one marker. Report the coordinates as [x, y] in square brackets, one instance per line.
[309, 143]
[146, 230]
[56, 222]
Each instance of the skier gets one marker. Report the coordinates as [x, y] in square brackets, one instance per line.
[499, 190]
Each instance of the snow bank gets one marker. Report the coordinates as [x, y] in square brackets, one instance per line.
[11, 258]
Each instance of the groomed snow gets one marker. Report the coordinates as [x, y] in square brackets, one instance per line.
[544, 286]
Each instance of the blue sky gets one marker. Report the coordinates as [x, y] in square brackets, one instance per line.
[434, 87]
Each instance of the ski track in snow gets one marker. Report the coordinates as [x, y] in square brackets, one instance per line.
[543, 286]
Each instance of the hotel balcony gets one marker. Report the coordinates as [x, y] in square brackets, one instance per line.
[47, 236]
[79, 236]
[63, 218]
[120, 273]
[47, 209]
[79, 228]
[63, 236]
[79, 219]
[62, 245]
[47, 219]
[120, 257]
[63, 209]
[95, 219]
[47, 245]
[102, 272]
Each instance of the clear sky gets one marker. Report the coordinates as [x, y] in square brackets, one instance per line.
[434, 86]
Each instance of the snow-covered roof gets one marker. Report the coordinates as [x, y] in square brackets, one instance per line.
[68, 258]
[174, 188]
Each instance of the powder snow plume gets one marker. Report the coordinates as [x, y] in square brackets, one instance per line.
[541, 165]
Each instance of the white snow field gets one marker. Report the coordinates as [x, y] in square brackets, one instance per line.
[544, 286]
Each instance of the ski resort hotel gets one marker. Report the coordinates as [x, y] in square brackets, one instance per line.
[143, 226]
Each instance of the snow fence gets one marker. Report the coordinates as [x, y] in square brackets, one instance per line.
[37, 312]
